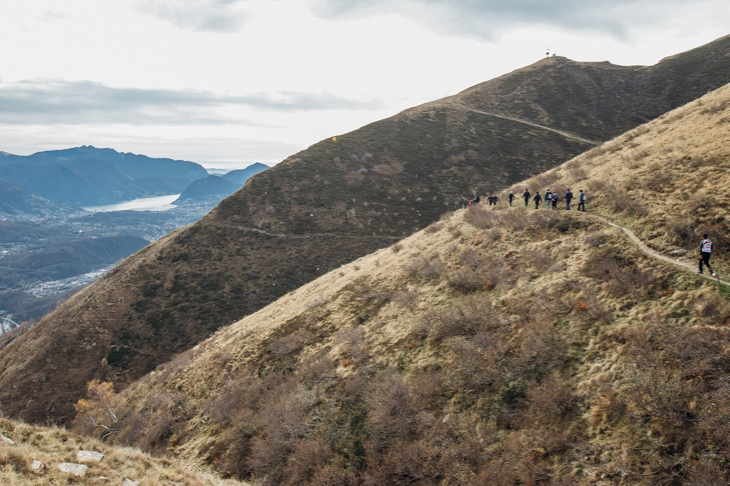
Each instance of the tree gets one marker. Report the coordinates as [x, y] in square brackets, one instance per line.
[96, 408]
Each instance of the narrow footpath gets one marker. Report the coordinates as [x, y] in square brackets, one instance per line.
[532, 124]
[654, 254]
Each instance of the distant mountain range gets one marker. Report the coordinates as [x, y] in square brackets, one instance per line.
[90, 176]
[215, 188]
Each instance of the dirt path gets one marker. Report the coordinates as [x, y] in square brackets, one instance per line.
[654, 254]
[532, 124]
[319, 235]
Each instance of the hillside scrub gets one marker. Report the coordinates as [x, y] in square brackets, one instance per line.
[35, 453]
[665, 180]
[499, 347]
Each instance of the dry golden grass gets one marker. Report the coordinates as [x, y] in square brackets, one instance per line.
[666, 180]
[53, 445]
[495, 347]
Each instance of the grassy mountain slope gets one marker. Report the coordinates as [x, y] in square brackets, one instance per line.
[51, 446]
[330, 204]
[667, 183]
[497, 346]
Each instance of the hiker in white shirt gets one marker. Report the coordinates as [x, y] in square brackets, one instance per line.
[705, 252]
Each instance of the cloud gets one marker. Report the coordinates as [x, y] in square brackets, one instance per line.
[52, 102]
[290, 101]
[488, 19]
[198, 15]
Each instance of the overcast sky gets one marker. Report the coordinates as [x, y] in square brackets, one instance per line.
[230, 82]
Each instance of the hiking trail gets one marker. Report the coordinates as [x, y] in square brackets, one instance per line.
[532, 124]
[655, 254]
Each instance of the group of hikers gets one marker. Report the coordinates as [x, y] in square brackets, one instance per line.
[551, 199]
[551, 202]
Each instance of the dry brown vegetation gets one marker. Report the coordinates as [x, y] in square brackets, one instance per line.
[552, 353]
[665, 180]
[500, 346]
[51, 446]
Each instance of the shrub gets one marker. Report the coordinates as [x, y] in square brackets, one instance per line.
[422, 268]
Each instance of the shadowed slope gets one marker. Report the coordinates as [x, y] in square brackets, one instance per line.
[336, 201]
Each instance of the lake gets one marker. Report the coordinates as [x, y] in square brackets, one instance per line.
[158, 203]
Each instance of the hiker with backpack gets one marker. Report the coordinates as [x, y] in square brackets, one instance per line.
[538, 200]
[554, 200]
[494, 199]
[548, 198]
[705, 252]
[582, 201]
[511, 197]
[526, 196]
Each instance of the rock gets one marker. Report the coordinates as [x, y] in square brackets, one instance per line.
[75, 469]
[37, 466]
[129, 482]
[89, 456]
[6, 440]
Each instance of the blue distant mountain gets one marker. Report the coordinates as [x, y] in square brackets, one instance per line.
[90, 176]
[18, 202]
[210, 189]
[240, 176]
[214, 188]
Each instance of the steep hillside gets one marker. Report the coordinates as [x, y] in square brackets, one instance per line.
[330, 204]
[667, 180]
[497, 346]
[32, 455]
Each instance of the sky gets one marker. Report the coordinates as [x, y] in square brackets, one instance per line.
[227, 83]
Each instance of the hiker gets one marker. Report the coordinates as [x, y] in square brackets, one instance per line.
[538, 200]
[478, 198]
[568, 198]
[511, 197]
[705, 251]
[526, 196]
[582, 201]
[548, 198]
[489, 200]
[554, 200]
[495, 199]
